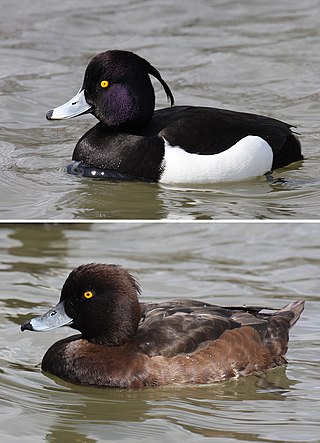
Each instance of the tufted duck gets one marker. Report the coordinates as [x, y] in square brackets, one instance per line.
[127, 344]
[181, 144]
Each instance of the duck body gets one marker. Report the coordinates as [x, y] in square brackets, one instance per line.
[217, 145]
[179, 144]
[127, 344]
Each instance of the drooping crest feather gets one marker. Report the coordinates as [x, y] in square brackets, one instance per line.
[153, 71]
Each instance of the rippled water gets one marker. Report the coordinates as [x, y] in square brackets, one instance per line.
[268, 264]
[251, 56]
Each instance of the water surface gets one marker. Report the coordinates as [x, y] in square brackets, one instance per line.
[267, 264]
[260, 57]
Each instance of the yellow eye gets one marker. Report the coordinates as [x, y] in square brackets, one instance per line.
[104, 84]
[88, 294]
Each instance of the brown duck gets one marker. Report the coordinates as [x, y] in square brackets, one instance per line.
[127, 344]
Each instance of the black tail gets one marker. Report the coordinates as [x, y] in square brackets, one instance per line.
[290, 152]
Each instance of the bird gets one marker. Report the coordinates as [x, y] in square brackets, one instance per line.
[125, 343]
[176, 144]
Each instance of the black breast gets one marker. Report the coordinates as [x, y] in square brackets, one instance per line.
[136, 155]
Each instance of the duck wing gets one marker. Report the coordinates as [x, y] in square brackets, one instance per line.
[182, 326]
[208, 131]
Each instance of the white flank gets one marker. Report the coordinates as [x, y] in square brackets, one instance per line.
[249, 157]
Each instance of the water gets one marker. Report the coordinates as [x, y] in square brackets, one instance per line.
[260, 57]
[268, 264]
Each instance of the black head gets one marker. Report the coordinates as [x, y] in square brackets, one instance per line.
[103, 302]
[118, 88]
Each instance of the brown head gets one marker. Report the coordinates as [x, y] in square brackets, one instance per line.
[100, 301]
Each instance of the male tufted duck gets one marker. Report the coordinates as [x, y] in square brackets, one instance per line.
[127, 344]
[181, 144]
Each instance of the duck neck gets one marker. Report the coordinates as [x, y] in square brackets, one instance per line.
[116, 329]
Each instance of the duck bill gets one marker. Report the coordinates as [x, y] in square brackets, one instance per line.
[76, 106]
[52, 319]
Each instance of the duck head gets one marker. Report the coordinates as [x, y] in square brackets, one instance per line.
[117, 90]
[100, 301]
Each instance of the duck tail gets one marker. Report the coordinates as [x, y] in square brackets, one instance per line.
[279, 324]
[290, 152]
[295, 309]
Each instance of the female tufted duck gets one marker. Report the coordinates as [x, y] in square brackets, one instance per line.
[127, 344]
[182, 144]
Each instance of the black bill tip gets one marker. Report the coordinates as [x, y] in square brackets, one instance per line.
[49, 114]
[26, 326]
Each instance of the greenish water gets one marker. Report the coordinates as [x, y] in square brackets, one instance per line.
[260, 57]
[268, 264]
